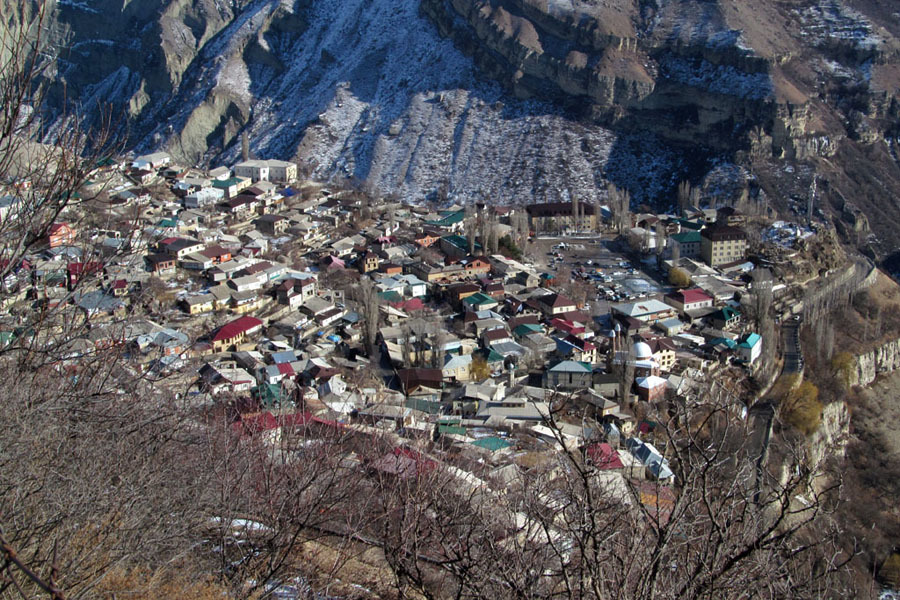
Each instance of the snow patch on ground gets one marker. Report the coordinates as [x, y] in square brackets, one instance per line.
[719, 79]
[370, 91]
[830, 20]
[76, 5]
[786, 234]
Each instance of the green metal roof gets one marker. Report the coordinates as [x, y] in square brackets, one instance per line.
[268, 394]
[479, 298]
[750, 340]
[226, 183]
[449, 218]
[687, 237]
[427, 406]
[390, 296]
[728, 312]
[492, 443]
[527, 329]
[492, 356]
[460, 241]
[451, 429]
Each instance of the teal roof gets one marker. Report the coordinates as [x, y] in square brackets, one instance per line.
[527, 329]
[449, 218]
[492, 356]
[722, 340]
[750, 340]
[451, 429]
[390, 296]
[687, 237]
[492, 443]
[427, 406]
[173, 222]
[728, 312]
[226, 183]
[460, 241]
[478, 299]
[567, 366]
[268, 394]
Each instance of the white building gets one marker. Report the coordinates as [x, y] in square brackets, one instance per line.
[279, 171]
[204, 197]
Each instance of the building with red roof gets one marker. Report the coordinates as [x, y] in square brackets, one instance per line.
[555, 304]
[60, 234]
[688, 300]
[604, 457]
[235, 332]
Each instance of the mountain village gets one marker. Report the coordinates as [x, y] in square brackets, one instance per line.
[276, 303]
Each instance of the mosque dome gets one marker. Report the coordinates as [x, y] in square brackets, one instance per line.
[642, 351]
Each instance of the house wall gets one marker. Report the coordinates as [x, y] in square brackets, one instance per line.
[716, 253]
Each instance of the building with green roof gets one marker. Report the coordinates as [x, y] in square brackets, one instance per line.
[491, 443]
[687, 244]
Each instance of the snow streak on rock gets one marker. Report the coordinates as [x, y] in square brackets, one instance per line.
[370, 91]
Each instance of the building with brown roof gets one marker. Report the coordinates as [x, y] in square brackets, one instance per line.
[722, 244]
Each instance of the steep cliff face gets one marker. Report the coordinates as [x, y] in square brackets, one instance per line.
[685, 70]
[505, 100]
[832, 436]
[884, 359]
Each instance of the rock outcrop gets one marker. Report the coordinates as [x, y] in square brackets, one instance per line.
[832, 436]
[404, 94]
[687, 72]
[884, 359]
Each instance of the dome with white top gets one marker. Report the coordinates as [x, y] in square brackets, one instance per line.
[642, 351]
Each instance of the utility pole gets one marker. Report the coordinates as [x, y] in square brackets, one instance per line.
[810, 202]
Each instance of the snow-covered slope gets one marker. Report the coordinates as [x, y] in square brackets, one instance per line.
[368, 89]
[379, 90]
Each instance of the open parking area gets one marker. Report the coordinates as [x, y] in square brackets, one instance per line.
[600, 262]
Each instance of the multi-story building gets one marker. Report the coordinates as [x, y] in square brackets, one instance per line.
[278, 171]
[557, 217]
[722, 244]
[687, 244]
[60, 234]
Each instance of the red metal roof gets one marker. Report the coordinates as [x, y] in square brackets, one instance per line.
[694, 295]
[566, 326]
[285, 368]
[236, 328]
[266, 421]
[604, 457]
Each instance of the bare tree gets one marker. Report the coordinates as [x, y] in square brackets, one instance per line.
[438, 340]
[568, 529]
[759, 309]
[620, 206]
[471, 230]
[575, 214]
[662, 236]
[493, 241]
[369, 303]
[684, 196]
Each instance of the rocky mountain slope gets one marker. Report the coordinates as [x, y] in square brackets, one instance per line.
[510, 100]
